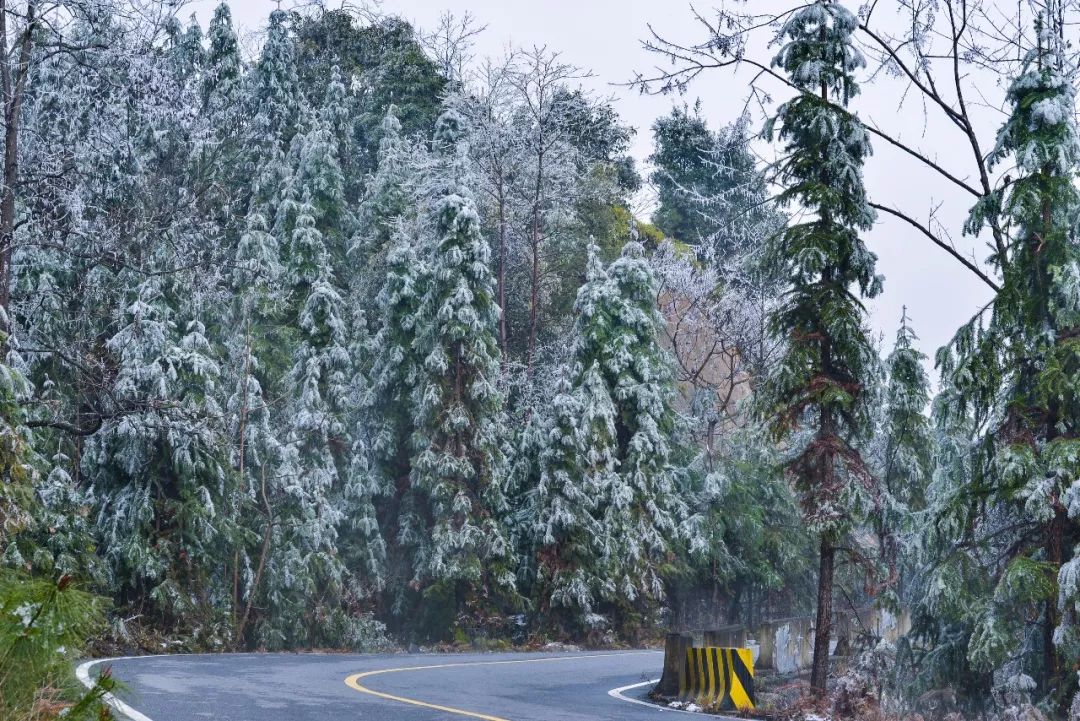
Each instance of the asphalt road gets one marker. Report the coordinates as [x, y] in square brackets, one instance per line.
[443, 687]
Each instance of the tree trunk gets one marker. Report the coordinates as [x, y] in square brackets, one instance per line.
[241, 437]
[13, 80]
[7, 212]
[819, 672]
[501, 280]
[534, 296]
[1054, 556]
[263, 553]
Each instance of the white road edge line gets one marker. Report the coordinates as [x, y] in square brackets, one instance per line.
[82, 672]
[618, 693]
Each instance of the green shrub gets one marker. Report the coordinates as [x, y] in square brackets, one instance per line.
[44, 625]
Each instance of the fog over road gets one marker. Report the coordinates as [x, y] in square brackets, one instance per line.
[418, 687]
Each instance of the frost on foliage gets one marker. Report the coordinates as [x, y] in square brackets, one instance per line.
[457, 460]
[221, 83]
[1014, 371]
[563, 507]
[711, 193]
[387, 197]
[821, 51]
[165, 368]
[825, 148]
[387, 240]
[622, 381]
[273, 93]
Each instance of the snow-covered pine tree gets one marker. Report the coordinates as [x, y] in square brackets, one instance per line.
[711, 194]
[599, 453]
[629, 429]
[260, 345]
[273, 97]
[319, 174]
[1017, 374]
[221, 88]
[945, 585]
[317, 428]
[306, 582]
[271, 100]
[909, 445]
[154, 457]
[335, 339]
[388, 407]
[466, 557]
[185, 48]
[387, 198]
[386, 288]
[158, 475]
[903, 454]
[814, 397]
[647, 503]
[256, 456]
[562, 509]
[338, 112]
[568, 463]
[222, 67]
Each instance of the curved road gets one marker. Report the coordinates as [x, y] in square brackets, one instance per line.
[442, 687]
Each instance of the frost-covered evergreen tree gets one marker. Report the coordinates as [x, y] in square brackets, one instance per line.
[569, 447]
[142, 435]
[815, 397]
[387, 199]
[388, 405]
[319, 425]
[319, 174]
[570, 578]
[934, 654]
[185, 47]
[1016, 373]
[273, 97]
[903, 456]
[223, 66]
[647, 507]
[269, 572]
[457, 461]
[907, 462]
[629, 427]
[158, 476]
[711, 194]
[272, 101]
[389, 292]
[318, 389]
[221, 99]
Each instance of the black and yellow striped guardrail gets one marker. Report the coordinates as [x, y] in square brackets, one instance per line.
[718, 677]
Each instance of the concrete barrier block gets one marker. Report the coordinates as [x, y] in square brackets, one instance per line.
[719, 677]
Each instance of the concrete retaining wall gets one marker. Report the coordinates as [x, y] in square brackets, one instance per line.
[787, 645]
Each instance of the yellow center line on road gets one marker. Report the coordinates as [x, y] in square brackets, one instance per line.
[353, 681]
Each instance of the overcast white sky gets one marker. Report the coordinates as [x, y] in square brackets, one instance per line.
[605, 37]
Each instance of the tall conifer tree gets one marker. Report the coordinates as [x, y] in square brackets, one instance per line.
[457, 460]
[1018, 374]
[815, 398]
